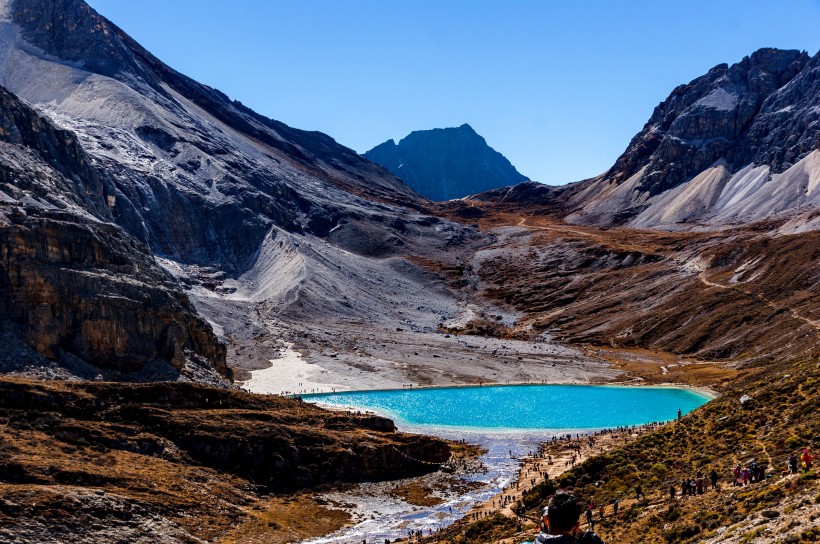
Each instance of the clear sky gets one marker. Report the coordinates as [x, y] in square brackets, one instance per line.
[559, 87]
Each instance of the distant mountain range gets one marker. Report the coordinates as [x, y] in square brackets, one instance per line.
[446, 163]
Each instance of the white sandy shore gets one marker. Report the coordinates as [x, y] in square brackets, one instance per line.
[288, 374]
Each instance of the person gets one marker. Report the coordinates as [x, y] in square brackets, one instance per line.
[679, 414]
[672, 492]
[589, 516]
[793, 464]
[713, 476]
[639, 492]
[560, 522]
[806, 459]
[615, 505]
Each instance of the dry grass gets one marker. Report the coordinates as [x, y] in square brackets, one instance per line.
[280, 520]
[197, 457]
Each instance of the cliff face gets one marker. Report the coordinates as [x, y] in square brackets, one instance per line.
[446, 163]
[87, 290]
[718, 115]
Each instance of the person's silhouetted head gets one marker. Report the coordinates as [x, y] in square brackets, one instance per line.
[562, 512]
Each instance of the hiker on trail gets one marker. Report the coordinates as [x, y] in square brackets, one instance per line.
[615, 504]
[713, 476]
[792, 464]
[559, 523]
[672, 492]
[737, 472]
[679, 414]
[639, 492]
[589, 516]
[806, 459]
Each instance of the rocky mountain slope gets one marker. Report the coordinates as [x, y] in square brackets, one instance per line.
[74, 287]
[738, 144]
[231, 203]
[446, 163]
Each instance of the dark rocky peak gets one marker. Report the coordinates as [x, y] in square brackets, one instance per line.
[446, 163]
[464, 134]
[72, 31]
[708, 119]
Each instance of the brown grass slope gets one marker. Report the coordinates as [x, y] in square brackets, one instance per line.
[745, 298]
[732, 295]
[193, 460]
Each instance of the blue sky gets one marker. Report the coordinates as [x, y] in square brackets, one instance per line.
[557, 87]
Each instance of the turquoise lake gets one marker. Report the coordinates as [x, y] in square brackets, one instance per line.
[522, 407]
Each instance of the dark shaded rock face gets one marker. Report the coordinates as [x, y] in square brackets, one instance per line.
[738, 113]
[448, 163]
[85, 289]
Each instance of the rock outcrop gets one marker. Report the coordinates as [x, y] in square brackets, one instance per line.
[731, 113]
[175, 462]
[77, 289]
[446, 163]
[278, 443]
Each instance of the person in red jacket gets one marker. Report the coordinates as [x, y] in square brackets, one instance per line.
[806, 459]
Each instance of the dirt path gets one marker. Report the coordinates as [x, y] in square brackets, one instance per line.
[563, 228]
[794, 313]
[551, 461]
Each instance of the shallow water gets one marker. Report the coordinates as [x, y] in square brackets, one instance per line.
[522, 407]
[379, 515]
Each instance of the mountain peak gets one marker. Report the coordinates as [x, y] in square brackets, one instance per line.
[757, 115]
[446, 163]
